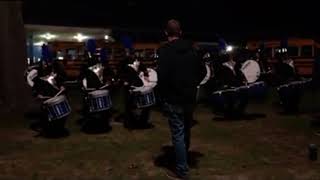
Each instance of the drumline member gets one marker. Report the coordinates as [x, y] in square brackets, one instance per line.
[261, 58]
[144, 95]
[128, 76]
[251, 71]
[289, 92]
[136, 80]
[285, 70]
[229, 98]
[47, 86]
[96, 83]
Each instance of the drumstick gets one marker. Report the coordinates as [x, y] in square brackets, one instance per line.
[59, 93]
[90, 89]
[45, 97]
[104, 86]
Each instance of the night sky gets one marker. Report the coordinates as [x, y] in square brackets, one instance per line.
[234, 20]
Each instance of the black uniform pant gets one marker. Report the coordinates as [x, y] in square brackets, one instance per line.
[52, 128]
[95, 122]
[135, 117]
[290, 98]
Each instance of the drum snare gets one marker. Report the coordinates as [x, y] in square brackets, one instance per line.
[220, 97]
[57, 107]
[99, 100]
[257, 89]
[144, 99]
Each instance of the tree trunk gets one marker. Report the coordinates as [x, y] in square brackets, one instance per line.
[14, 93]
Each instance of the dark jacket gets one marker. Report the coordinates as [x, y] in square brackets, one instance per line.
[179, 72]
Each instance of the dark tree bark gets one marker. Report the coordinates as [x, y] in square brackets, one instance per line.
[14, 93]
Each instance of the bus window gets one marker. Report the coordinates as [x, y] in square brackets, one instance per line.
[293, 51]
[306, 51]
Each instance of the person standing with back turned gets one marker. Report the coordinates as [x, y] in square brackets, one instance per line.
[179, 73]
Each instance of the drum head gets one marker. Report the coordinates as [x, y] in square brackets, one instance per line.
[251, 70]
[99, 93]
[55, 100]
[146, 90]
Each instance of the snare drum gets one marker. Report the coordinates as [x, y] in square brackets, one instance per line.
[290, 95]
[230, 100]
[257, 89]
[144, 99]
[242, 97]
[57, 107]
[99, 100]
[221, 98]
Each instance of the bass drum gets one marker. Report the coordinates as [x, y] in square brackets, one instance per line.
[57, 107]
[251, 71]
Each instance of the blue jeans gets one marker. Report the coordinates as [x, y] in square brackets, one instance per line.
[180, 132]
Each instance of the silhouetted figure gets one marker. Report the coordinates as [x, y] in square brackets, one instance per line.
[179, 73]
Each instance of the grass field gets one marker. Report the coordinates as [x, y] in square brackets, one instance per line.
[269, 146]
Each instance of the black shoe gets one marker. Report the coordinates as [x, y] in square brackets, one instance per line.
[174, 176]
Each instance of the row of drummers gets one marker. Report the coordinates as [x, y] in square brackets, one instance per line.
[232, 81]
[138, 81]
[228, 84]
